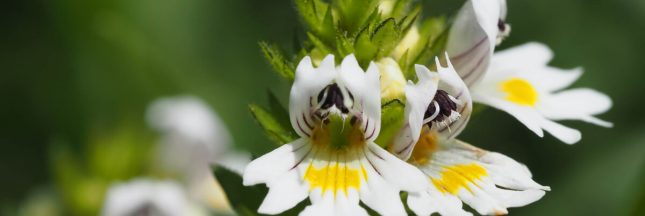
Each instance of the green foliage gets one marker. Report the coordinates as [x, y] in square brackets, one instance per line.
[276, 59]
[274, 129]
[392, 114]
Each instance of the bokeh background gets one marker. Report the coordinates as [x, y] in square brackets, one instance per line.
[77, 72]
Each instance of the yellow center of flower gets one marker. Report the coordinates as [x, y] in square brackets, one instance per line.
[453, 178]
[336, 177]
[520, 91]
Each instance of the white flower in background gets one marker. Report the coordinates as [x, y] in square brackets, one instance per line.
[148, 197]
[478, 27]
[520, 83]
[437, 109]
[335, 163]
[193, 139]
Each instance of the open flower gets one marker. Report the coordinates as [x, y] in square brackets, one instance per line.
[192, 139]
[487, 181]
[148, 197]
[478, 27]
[336, 111]
[520, 83]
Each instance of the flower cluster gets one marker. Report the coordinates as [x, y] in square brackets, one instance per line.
[386, 119]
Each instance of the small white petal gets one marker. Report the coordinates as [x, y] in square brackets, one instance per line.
[473, 37]
[526, 115]
[488, 182]
[309, 81]
[379, 195]
[418, 97]
[276, 163]
[285, 192]
[565, 134]
[392, 168]
[365, 86]
[576, 104]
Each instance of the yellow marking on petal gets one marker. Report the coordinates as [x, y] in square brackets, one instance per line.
[453, 178]
[519, 91]
[427, 144]
[335, 177]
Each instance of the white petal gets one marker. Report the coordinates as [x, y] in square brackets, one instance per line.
[392, 168]
[285, 192]
[379, 195]
[276, 163]
[489, 183]
[309, 81]
[418, 97]
[525, 56]
[529, 61]
[576, 104]
[433, 201]
[473, 37]
[526, 115]
[454, 86]
[365, 87]
[565, 134]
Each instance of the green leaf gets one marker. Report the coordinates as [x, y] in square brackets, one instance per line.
[400, 8]
[244, 199]
[386, 36]
[392, 118]
[278, 110]
[271, 125]
[278, 62]
[317, 16]
[318, 43]
[365, 49]
[354, 14]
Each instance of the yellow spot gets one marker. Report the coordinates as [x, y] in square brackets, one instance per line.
[427, 144]
[453, 178]
[520, 91]
[335, 177]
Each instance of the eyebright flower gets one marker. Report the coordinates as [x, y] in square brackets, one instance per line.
[392, 80]
[478, 27]
[336, 111]
[148, 197]
[520, 83]
[192, 139]
[438, 107]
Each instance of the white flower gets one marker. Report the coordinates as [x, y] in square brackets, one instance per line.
[443, 106]
[147, 197]
[437, 109]
[520, 83]
[335, 163]
[477, 29]
[193, 139]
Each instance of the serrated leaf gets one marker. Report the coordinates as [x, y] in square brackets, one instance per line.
[400, 8]
[344, 45]
[318, 43]
[272, 127]
[318, 18]
[409, 20]
[354, 14]
[392, 118]
[386, 37]
[365, 49]
[278, 62]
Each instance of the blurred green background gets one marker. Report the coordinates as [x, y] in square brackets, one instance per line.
[73, 70]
